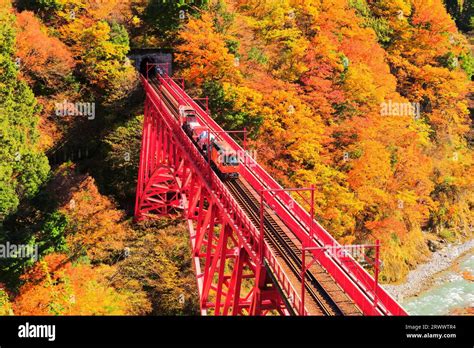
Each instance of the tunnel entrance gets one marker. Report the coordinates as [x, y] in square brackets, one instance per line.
[143, 67]
[158, 56]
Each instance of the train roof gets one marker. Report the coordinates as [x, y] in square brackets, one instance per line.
[186, 107]
[222, 146]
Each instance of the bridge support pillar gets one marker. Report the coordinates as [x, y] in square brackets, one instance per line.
[175, 178]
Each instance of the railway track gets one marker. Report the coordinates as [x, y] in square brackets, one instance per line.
[326, 300]
[155, 84]
[325, 294]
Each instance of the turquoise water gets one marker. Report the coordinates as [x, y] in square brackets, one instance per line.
[454, 292]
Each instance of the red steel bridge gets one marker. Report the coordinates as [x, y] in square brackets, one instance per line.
[255, 250]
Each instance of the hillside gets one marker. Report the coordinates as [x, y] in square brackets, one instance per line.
[365, 99]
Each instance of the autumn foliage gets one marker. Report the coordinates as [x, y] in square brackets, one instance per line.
[322, 72]
[55, 286]
[310, 80]
[45, 59]
[94, 217]
[210, 57]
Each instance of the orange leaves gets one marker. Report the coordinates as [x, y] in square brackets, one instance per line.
[346, 64]
[46, 63]
[320, 81]
[372, 168]
[45, 59]
[292, 128]
[204, 53]
[432, 15]
[110, 9]
[5, 305]
[97, 225]
[384, 229]
[54, 286]
[44, 269]
[434, 31]
[388, 168]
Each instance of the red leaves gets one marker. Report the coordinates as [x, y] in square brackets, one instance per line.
[45, 59]
[54, 286]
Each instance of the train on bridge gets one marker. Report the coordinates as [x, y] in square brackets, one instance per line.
[255, 250]
[223, 160]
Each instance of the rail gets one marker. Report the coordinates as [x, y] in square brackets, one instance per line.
[349, 274]
[247, 232]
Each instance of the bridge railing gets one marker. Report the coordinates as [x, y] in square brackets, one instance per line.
[248, 233]
[292, 296]
[349, 274]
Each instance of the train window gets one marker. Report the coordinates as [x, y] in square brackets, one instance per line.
[217, 147]
[230, 160]
[233, 161]
[191, 116]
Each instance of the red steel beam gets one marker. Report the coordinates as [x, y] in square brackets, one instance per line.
[350, 275]
[169, 160]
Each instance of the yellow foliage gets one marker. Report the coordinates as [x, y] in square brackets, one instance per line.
[204, 53]
[5, 305]
[56, 287]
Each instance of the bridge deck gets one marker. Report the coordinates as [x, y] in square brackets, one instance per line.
[323, 296]
[334, 285]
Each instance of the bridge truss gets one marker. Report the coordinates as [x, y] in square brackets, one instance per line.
[238, 270]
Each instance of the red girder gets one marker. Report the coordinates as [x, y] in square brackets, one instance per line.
[223, 239]
[231, 278]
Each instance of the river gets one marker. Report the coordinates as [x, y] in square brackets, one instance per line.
[451, 292]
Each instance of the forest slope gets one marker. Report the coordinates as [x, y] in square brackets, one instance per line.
[366, 99]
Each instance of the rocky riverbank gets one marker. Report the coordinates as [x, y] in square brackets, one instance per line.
[422, 277]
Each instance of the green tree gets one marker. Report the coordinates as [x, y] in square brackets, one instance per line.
[54, 238]
[165, 17]
[122, 156]
[23, 168]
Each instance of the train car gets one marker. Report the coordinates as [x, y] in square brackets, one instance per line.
[188, 118]
[224, 160]
[202, 138]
